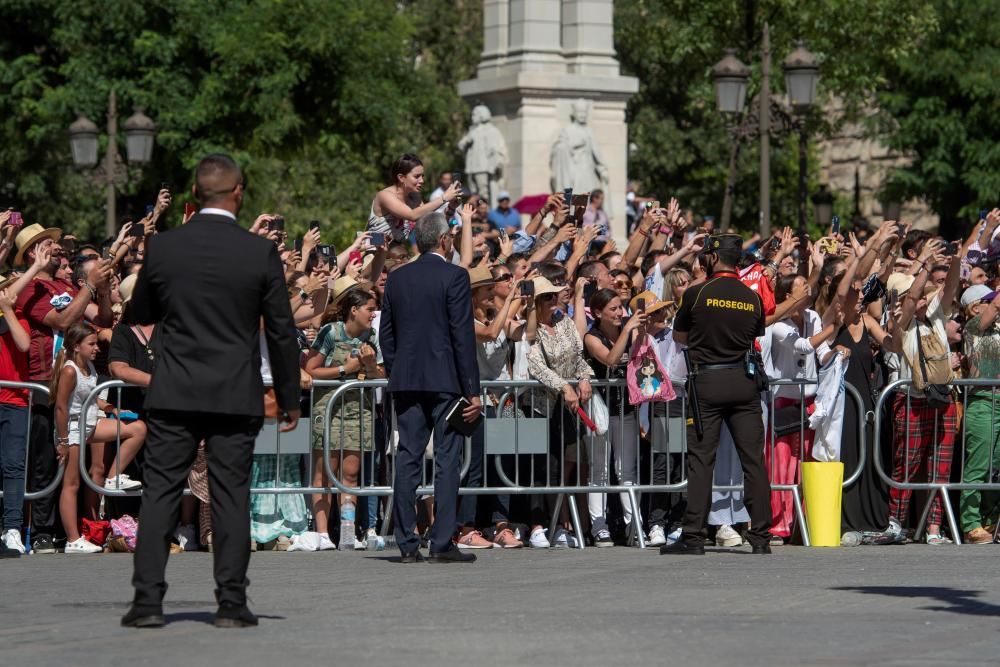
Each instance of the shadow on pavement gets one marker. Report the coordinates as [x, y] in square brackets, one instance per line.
[955, 600]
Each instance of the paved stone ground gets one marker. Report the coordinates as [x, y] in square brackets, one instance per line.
[885, 606]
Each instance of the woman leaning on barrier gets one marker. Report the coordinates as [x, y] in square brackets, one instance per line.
[924, 431]
[796, 341]
[497, 328]
[982, 416]
[556, 360]
[345, 349]
[608, 344]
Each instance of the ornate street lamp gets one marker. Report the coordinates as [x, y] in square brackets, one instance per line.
[801, 76]
[140, 130]
[140, 133]
[823, 203]
[83, 142]
[731, 77]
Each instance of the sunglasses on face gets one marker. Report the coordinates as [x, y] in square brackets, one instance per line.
[504, 277]
[622, 284]
[551, 296]
[558, 283]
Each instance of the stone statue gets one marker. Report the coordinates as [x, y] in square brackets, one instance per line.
[575, 161]
[485, 155]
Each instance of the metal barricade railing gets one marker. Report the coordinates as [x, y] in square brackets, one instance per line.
[938, 488]
[516, 435]
[33, 388]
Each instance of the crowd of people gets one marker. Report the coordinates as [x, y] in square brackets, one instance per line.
[554, 301]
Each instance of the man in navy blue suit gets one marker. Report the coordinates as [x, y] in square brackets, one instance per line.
[428, 343]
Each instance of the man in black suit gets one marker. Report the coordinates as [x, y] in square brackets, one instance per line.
[207, 285]
[428, 343]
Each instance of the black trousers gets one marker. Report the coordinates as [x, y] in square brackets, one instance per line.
[417, 413]
[727, 395]
[42, 469]
[170, 448]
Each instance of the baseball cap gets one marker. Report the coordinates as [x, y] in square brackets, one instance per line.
[976, 294]
[503, 195]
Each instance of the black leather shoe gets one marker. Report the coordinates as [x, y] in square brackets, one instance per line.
[682, 548]
[232, 615]
[9, 553]
[761, 548]
[413, 557]
[452, 556]
[143, 617]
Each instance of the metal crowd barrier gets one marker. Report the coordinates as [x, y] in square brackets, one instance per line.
[940, 488]
[516, 435]
[49, 488]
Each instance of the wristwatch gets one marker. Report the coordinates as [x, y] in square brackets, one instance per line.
[342, 370]
[303, 294]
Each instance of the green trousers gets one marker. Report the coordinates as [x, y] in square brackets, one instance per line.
[982, 432]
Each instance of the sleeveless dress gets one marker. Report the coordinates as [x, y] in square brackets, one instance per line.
[84, 385]
[388, 224]
[866, 502]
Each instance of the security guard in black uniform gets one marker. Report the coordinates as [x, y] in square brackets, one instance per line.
[719, 320]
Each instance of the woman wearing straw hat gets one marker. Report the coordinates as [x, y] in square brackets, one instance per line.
[496, 328]
[556, 360]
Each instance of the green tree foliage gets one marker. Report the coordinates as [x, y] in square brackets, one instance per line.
[314, 98]
[942, 105]
[681, 144]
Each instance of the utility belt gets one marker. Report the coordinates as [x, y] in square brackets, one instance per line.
[752, 365]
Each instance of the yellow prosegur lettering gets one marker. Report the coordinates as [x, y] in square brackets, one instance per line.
[729, 303]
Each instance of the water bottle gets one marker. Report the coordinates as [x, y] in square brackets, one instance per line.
[347, 513]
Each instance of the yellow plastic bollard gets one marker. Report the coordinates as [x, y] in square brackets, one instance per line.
[822, 486]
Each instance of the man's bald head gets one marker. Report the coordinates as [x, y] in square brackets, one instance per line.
[216, 180]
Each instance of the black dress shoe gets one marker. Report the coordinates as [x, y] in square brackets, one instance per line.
[143, 617]
[452, 556]
[682, 548]
[6, 552]
[232, 615]
[764, 548]
[413, 557]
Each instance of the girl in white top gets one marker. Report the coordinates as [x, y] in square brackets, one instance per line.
[796, 341]
[799, 339]
[73, 379]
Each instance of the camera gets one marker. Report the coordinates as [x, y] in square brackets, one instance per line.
[277, 224]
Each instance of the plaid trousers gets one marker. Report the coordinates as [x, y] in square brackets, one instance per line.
[925, 456]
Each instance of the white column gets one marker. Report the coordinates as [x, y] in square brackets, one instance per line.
[588, 37]
[496, 34]
[535, 34]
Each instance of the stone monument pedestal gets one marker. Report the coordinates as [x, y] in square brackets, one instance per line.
[539, 57]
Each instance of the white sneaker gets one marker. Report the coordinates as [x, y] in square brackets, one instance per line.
[726, 536]
[325, 544]
[123, 482]
[674, 535]
[82, 546]
[565, 540]
[538, 539]
[186, 538]
[12, 540]
[657, 538]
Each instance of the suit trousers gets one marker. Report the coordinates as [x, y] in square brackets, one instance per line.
[417, 413]
[727, 396]
[171, 447]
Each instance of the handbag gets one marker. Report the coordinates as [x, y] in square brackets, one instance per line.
[647, 379]
[938, 395]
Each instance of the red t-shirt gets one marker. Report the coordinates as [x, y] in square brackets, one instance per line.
[13, 368]
[753, 277]
[34, 304]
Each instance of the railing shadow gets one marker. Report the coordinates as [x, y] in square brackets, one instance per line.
[953, 600]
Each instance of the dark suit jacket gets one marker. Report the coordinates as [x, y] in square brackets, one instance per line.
[206, 285]
[426, 335]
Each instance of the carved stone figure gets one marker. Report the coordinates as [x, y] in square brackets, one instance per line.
[575, 161]
[485, 155]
